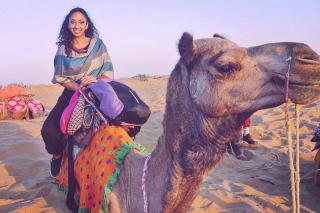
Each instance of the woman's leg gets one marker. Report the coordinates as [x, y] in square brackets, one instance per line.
[51, 134]
[54, 140]
[246, 132]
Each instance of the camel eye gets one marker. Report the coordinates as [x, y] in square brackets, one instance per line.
[224, 64]
[228, 68]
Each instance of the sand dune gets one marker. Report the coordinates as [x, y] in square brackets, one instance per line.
[259, 185]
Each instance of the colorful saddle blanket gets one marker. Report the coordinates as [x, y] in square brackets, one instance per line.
[97, 167]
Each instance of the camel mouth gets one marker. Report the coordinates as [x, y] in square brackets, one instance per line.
[281, 82]
[304, 86]
[299, 92]
[308, 60]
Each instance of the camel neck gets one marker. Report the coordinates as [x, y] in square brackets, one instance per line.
[193, 144]
[190, 145]
[168, 177]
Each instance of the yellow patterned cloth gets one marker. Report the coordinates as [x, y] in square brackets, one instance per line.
[98, 166]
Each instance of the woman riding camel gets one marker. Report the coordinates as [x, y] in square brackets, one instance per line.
[81, 58]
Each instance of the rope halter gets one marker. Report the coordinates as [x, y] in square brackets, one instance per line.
[294, 172]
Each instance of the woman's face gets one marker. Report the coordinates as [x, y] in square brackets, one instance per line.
[78, 24]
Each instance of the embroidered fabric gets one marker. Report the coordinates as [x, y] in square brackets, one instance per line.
[83, 123]
[65, 117]
[83, 136]
[88, 117]
[76, 118]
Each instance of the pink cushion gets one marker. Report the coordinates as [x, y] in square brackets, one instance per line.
[68, 111]
[35, 106]
[16, 104]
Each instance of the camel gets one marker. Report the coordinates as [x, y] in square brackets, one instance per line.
[214, 86]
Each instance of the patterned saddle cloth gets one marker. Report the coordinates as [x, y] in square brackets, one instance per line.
[97, 167]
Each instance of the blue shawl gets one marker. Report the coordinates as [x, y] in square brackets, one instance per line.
[95, 62]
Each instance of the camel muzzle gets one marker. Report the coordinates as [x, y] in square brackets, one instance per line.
[302, 78]
[304, 54]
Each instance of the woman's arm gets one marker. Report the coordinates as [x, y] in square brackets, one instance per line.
[86, 80]
[107, 68]
[108, 74]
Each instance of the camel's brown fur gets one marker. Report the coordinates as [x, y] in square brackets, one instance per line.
[213, 88]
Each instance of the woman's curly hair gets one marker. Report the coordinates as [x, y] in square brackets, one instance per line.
[65, 36]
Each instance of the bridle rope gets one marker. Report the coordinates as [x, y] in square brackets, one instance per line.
[294, 172]
[143, 184]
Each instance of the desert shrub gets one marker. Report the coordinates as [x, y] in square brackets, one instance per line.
[141, 77]
[20, 84]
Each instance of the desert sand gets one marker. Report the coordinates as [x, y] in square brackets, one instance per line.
[261, 184]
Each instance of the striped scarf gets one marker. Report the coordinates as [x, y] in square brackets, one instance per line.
[95, 62]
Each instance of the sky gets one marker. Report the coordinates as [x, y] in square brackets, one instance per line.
[142, 36]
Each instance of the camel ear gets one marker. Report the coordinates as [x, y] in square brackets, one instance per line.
[216, 35]
[186, 47]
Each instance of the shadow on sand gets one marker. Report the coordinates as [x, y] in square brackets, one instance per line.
[26, 185]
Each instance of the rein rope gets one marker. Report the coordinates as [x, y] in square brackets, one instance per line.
[294, 172]
[143, 184]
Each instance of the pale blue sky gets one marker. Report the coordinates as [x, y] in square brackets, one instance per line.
[141, 36]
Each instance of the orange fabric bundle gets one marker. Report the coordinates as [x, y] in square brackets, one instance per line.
[12, 90]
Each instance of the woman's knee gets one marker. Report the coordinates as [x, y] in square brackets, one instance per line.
[48, 126]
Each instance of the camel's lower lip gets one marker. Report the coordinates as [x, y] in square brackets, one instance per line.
[281, 81]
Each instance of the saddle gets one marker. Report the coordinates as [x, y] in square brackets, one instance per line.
[135, 112]
[110, 102]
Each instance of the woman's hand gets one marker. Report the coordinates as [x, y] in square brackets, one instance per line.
[86, 80]
[70, 85]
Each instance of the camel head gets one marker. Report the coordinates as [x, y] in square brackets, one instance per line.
[215, 86]
[226, 79]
